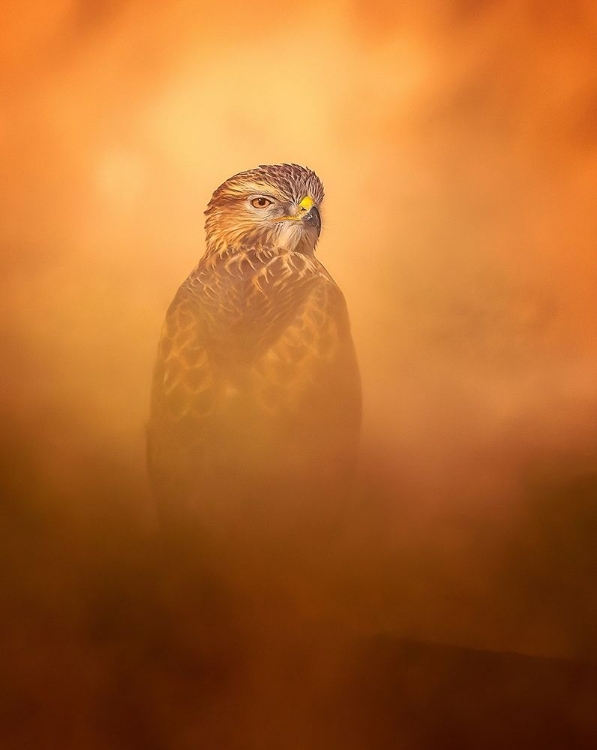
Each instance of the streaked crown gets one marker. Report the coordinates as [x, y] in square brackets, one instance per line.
[233, 221]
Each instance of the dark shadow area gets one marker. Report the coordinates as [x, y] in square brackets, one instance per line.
[419, 695]
[112, 640]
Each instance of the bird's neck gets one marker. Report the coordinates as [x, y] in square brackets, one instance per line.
[218, 250]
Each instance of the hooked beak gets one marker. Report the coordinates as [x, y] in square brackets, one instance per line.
[309, 213]
[313, 217]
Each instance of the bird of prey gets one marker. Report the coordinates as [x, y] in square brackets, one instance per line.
[256, 402]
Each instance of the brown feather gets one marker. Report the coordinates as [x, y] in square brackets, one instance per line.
[256, 387]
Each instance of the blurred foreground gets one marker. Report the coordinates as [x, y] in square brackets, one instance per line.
[112, 640]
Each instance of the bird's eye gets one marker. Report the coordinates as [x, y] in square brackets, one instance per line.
[261, 202]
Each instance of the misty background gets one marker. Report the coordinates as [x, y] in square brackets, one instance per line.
[457, 145]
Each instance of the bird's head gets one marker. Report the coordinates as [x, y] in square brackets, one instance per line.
[274, 206]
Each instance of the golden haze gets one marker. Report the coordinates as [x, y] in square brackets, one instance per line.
[456, 142]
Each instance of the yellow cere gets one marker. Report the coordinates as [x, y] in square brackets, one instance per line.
[307, 203]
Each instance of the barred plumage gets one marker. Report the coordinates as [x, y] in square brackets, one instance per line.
[256, 392]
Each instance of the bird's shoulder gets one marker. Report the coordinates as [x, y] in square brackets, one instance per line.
[244, 316]
[251, 291]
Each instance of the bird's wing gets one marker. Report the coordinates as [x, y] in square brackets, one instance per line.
[305, 356]
[183, 390]
[306, 382]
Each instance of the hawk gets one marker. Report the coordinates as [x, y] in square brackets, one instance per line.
[255, 404]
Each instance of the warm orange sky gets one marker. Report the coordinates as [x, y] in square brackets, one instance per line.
[457, 144]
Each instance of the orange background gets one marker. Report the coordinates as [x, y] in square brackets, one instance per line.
[456, 142]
